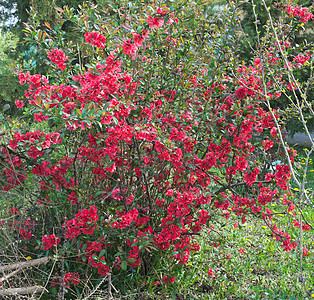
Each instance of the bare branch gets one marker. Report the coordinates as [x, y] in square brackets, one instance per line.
[23, 265]
[21, 291]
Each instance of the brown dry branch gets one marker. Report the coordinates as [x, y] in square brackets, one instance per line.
[6, 277]
[23, 265]
[21, 291]
[17, 267]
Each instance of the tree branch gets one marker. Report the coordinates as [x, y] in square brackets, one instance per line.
[23, 265]
[21, 291]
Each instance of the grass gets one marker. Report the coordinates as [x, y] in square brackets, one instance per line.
[301, 160]
[262, 271]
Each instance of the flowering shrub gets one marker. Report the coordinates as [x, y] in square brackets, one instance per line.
[144, 148]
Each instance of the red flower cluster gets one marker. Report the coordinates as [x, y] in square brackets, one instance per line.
[72, 278]
[302, 59]
[168, 280]
[102, 267]
[96, 39]
[14, 210]
[126, 218]
[301, 12]
[251, 177]
[305, 227]
[133, 258]
[23, 228]
[73, 198]
[58, 57]
[287, 243]
[241, 92]
[49, 241]
[282, 175]
[211, 273]
[39, 117]
[84, 222]
[162, 10]
[155, 22]
[267, 144]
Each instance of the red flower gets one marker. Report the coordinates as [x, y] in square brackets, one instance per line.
[305, 251]
[267, 144]
[19, 103]
[14, 210]
[211, 273]
[168, 280]
[23, 78]
[257, 62]
[269, 177]
[241, 92]
[273, 132]
[103, 269]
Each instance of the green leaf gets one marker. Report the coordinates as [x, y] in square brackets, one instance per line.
[102, 253]
[124, 265]
[95, 257]
[84, 247]
[106, 105]
[6, 107]
[78, 244]
[115, 120]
